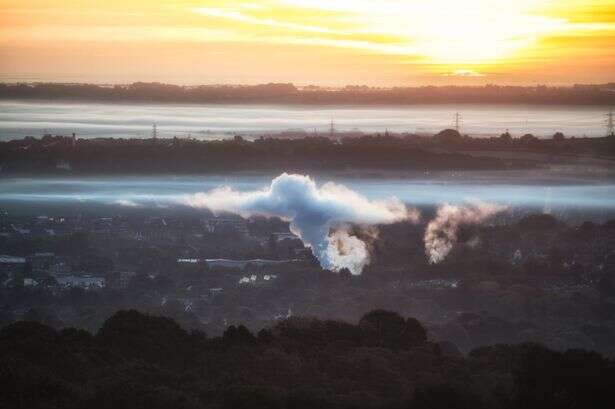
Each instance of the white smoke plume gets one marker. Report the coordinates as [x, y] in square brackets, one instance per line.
[347, 251]
[126, 203]
[313, 212]
[441, 234]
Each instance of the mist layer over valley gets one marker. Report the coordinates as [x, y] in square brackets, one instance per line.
[557, 191]
[90, 120]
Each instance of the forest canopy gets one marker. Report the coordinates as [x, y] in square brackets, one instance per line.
[384, 361]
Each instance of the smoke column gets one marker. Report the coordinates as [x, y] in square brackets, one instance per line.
[345, 250]
[313, 212]
[441, 234]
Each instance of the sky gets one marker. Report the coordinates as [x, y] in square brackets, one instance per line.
[321, 42]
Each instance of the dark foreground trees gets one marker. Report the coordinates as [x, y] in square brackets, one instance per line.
[386, 361]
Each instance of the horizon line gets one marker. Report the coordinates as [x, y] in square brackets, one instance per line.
[307, 86]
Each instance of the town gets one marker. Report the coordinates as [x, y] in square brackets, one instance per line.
[510, 279]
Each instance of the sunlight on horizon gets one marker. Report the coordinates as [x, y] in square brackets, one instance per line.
[311, 41]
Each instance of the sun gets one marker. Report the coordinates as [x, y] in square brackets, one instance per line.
[465, 32]
[456, 33]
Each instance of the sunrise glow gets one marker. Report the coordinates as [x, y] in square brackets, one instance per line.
[309, 41]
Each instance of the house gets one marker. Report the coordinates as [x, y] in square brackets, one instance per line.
[229, 226]
[86, 281]
[30, 282]
[120, 280]
[241, 264]
[11, 264]
[20, 231]
[41, 261]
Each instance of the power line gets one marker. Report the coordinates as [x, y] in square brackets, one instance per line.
[457, 121]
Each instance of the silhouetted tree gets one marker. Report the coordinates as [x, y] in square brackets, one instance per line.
[558, 136]
[445, 396]
[137, 335]
[388, 329]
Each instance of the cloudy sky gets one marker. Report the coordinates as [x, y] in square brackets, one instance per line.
[326, 42]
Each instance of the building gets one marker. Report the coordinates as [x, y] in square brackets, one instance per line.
[11, 264]
[42, 261]
[241, 264]
[87, 281]
[120, 280]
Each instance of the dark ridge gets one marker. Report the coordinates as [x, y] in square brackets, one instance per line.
[386, 361]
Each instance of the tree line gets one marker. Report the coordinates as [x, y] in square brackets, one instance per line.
[384, 361]
[598, 94]
[190, 155]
